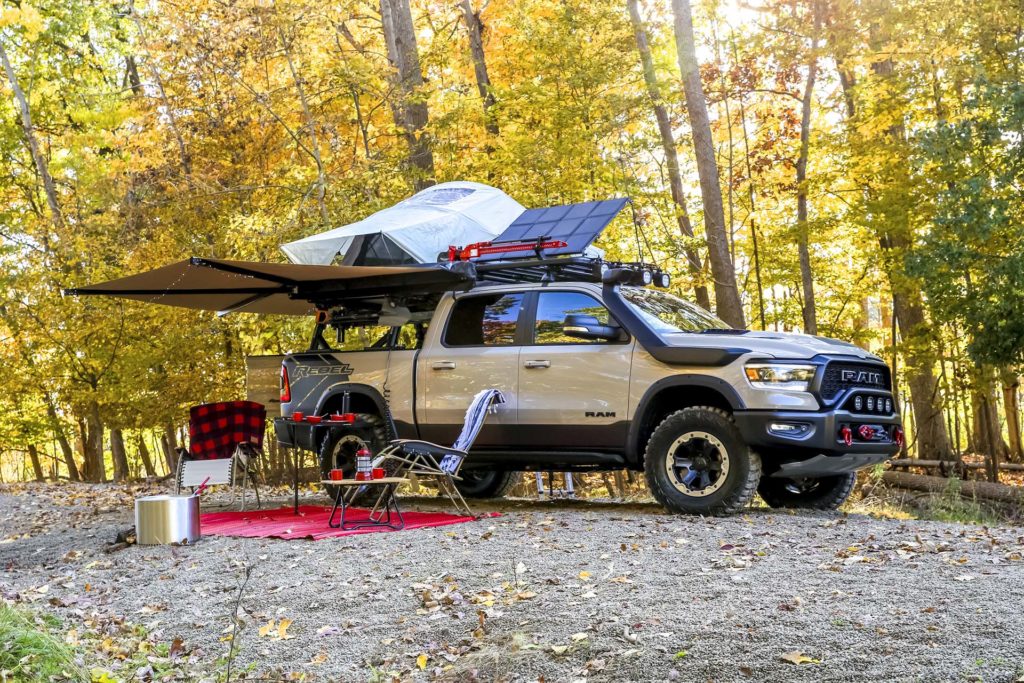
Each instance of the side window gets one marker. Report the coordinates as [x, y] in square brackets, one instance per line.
[552, 307]
[484, 320]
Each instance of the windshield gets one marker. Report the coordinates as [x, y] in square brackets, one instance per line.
[666, 313]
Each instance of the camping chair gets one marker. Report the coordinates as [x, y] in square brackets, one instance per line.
[425, 459]
[224, 442]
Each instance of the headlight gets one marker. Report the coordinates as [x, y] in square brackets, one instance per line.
[784, 376]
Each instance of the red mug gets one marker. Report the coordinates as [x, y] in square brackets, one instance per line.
[336, 475]
[378, 473]
[297, 416]
[313, 419]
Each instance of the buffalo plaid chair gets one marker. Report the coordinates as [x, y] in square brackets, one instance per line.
[442, 463]
[225, 440]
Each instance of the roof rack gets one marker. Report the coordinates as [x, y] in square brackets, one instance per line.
[569, 269]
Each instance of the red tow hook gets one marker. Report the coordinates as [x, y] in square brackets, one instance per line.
[847, 435]
[897, 436]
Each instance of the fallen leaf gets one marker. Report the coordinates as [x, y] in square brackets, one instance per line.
[421, 661]
[577, 637]
[559, 649]
[681, 654]
[585, 576]
[282, 629]
[797, 657]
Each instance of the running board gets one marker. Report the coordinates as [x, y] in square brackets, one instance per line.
[543, 461]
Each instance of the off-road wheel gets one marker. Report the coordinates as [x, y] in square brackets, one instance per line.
[339, 452]
[697, 463]
[486, 483]
[824, 493]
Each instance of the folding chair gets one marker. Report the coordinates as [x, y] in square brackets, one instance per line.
[425, 459]
[224, 441]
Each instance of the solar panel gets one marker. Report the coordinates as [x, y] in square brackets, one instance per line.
[578, 225]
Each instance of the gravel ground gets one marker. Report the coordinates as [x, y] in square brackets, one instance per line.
[560, 591]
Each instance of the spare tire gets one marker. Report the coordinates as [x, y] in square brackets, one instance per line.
[338, 451]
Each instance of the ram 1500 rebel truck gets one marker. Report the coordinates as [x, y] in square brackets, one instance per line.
[599, 371]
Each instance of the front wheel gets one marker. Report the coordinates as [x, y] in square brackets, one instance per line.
[696, 462]
[823, 493]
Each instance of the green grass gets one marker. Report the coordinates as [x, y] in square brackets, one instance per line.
[29, 652]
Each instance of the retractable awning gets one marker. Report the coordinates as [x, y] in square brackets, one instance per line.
[282, 288]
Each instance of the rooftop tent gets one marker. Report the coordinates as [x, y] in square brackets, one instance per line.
[416, 230]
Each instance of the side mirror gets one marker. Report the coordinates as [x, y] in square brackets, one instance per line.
[588, 327]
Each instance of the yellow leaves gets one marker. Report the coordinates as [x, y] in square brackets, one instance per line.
[276, 630]
[421, 661]
[584, 576]
[25, 17]
[98, 675]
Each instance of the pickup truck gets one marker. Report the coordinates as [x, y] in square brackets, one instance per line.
[599, 372]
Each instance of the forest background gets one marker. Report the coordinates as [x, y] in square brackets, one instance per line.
[849, 168]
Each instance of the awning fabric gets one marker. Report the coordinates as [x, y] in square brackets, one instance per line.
[281, 288]
[422, 226]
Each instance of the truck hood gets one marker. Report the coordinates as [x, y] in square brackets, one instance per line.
[784, 345]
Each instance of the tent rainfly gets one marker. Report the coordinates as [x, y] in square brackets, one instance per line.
[415, 230]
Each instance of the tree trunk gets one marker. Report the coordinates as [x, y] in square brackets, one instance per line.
[62, 440]
[802, 230]
[92, 445]
[410, 112]
[668, 145]
[37, 466]
[170, 444]
[968, 489]
[147, 461]
[727, 299]
[28, 128]
[1011, 406]
[476, 49]
[119, 455]
[919, 365]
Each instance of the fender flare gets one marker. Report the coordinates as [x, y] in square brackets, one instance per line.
[366, 390]
[720, 386]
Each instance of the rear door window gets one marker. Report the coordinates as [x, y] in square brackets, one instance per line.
[488, 320]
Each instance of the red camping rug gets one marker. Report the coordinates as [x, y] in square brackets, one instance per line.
[311, 522]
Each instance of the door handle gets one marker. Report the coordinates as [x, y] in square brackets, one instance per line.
[535, 364]
[444, 365]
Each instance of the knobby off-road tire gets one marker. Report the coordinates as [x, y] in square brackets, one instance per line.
[706, 438]
[340, 452]
[825, 493]
[486, 483]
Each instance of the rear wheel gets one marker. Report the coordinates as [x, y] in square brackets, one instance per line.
[824, 493]
[697, 463]
[486, 483]
[339, 452]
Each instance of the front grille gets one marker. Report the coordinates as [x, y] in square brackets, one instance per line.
[841, 376]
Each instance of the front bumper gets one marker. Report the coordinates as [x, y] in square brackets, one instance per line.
[820, 449]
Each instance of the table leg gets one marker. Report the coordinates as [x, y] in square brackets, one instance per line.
[338, 501]
[295, 478]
